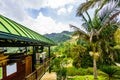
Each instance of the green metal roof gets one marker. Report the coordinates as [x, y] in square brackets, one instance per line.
[9, 29]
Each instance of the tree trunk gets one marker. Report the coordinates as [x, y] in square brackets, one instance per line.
[95, 69]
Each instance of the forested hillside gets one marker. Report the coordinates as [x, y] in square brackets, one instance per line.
[59, 37]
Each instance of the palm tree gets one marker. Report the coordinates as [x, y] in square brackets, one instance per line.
[106, 15]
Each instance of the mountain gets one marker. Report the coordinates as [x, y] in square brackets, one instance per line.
[59, 37]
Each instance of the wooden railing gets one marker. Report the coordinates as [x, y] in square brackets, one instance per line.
[32, 76]
[39, 72]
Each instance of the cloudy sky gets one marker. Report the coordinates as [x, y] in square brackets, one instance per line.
[42, 16]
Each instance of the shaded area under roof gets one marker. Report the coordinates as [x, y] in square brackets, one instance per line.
[10, 30]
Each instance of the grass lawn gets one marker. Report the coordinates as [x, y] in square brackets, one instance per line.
[89, 77]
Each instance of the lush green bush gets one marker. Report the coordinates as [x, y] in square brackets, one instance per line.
[111, 71]
[90, 70]
[61, 74]
[82, 71]
[118, 70]
[101, 73]
[72, 71]
[87, 77]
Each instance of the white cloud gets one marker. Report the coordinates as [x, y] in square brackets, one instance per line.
[43, 24]
[34, 4]
[16, 10]
[69, 9]
[37, 4]
[65, 11]
[12, 9]
[62, 11]
[59, 3]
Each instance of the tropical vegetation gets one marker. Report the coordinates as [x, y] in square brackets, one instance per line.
[99, 30]
[94, 47]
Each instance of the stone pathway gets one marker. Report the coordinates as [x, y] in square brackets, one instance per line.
[118, 64]
[49, 76]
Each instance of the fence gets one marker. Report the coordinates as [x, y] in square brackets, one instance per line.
[39, 72]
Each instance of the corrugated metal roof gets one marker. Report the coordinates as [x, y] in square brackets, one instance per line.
[9, 29]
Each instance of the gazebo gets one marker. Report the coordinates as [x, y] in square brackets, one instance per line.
[30, 45]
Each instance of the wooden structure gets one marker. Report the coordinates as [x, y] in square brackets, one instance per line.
[20, 66]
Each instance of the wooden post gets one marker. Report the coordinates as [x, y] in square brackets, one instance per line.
[26, 50]
[49, 59]
[33, 58]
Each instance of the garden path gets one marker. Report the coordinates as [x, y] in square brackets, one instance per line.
[49, 76]
[118, 64]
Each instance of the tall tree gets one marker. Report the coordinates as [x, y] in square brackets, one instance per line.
[106, 15]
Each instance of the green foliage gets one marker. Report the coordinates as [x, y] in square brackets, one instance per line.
[78, 52]
[117, 36]
[99, 29]
[87, 77]
[81, 57]
[108, 49]
[109, 30]
[109, 70]
[72, 71]
[57, 65]
[107, 44]
[61, 74]
[82, 43]
[117, 56]
[86, 60]
[99, 37]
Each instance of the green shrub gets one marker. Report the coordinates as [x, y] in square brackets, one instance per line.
[118, 70]
[101, 73]
[89, 71]
[72, 71]
[82, 71]
[87, 77]
[110, 71]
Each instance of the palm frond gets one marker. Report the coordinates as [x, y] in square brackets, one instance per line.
[85, 26]
[90, 20]
[96, 22]
[85, 6]
[90, 4]
[107, 10]
[108, 14]
[115, 18]
[101, 4]
[78, 29]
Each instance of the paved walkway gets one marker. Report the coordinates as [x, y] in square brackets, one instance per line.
[49, 76]
[118, 64]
